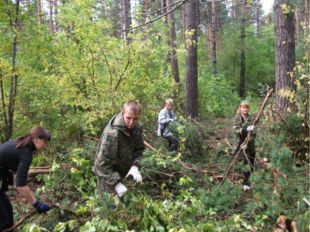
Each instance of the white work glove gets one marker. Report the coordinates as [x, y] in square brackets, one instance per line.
[120, 189]
[171, 120]
[250, 128]
[134, 172]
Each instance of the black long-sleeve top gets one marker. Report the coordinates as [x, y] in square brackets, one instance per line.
[16, 160]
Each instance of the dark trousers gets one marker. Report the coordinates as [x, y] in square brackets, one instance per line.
[250, 160]
[173, 143]
[6, 212]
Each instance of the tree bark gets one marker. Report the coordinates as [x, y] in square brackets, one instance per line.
[114, 14]
[191, 85]
[172, 43]
[14, 76]
[146, 10]
[126, 19]
[56, 14]
[3, 105]
[39, 12]
[213, 38]
[258, 18]
[284, 56]
[242, 50]
[51, 16]
[233, 10]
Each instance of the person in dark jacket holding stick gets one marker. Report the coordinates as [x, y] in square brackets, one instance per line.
[16, 157]
[242, 125]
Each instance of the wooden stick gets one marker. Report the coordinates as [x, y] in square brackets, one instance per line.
[150, 147]
[306, 201]
[21, 221]
[243, 146]
[43, 170]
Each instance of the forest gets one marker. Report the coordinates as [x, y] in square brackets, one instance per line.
[70, 65]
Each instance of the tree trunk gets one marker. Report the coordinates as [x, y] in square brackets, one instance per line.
[184, 22]
[297, 25]
[242, 50]
[172, 44]
[258, 18]
[233, 10]
[3, 106]
[51, 16]
[213, 38]
[126, 19]
[146, 10]
[56, 14]
[14, 76]
[114, 14]
[191, 86]
[307, 88]
[39, 12]
[284, 56]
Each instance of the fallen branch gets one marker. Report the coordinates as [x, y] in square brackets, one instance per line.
[163, 173]
[187, 166]
[43, 170]
[306, 201]
[33, 212]
[150, 147]
[229, 145]
[264, 164]
[21, 221]
[247, 139]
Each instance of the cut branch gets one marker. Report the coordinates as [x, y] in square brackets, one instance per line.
[21, 221]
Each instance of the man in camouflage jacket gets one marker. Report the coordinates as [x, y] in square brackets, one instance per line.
[242, 124]
[120, 151]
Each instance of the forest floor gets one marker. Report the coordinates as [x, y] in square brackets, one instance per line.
[186, 189]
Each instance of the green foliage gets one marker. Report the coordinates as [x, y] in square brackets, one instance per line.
[73, 81]
[215, 92]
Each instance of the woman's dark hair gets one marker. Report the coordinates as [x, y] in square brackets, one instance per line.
[36, 132]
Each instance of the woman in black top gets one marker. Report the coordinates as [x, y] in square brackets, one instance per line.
[16, 157]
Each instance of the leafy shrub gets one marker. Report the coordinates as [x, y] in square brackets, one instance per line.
[215, 92]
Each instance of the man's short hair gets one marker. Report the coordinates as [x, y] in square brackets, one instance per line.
[132, 106]
[169, 100]
[244, 103]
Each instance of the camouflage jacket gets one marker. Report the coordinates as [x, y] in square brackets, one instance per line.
[240, 128]
[119, 149]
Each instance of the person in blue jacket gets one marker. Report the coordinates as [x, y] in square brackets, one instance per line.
[15, 158]
[165, 117]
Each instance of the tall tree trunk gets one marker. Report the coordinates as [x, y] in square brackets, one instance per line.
[191, 66]
[242, 50]
[172, 43]
[184, 16]
[56, 14]
[213, 38]
[51, 16]
[39, 12]
[114, 14]
[126, 19]
[146, 10]
[297, 25]
[258, 18]
[14, 76]
[3, 105]
[306, 33]
[233, 10]
[284, 56]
